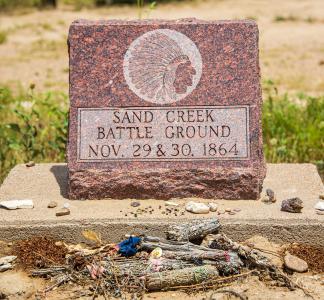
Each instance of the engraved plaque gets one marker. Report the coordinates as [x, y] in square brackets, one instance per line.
[163, 133]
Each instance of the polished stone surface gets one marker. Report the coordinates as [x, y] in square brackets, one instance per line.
[165, 109]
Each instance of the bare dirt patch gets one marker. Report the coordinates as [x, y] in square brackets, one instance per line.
[291, 47]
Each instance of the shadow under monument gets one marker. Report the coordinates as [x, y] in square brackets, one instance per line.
[61, 175]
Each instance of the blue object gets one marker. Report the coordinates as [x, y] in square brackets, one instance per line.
[128, 247]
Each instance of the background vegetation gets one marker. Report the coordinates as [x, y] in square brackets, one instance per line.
[33, 50]
[33, 126]
[12, 4]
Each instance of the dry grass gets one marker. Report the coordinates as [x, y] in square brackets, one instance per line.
[39, 252]
[314, 256]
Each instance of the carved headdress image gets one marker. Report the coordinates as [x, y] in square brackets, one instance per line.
[162, 66]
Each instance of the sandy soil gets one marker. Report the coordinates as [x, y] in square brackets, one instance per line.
[17, 285]
[291, 39]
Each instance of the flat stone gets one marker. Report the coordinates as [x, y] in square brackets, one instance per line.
[52, 204]
[134, 135]
[294, 263]
[197, 208]
[63, 212]
[49, 181]
[17, 204]
[7, 259]
[170, 203]
[135, 204]
[5, 267]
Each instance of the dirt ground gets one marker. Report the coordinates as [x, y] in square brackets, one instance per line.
[291, 39]
[18, 285]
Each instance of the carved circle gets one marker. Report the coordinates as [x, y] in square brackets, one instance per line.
[162, 66]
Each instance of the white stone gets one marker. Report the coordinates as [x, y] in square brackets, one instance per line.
[15, 204]
[7, 259]
[212, 206]
[197, 207]
[66, 205]
[5, 267]
[319, 205]
[170, 203]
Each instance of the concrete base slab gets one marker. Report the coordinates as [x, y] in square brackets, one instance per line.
[48, 182]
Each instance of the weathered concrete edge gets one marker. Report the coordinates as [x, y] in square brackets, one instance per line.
[306, 231]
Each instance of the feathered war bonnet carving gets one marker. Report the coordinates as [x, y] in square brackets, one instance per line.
[153, 71]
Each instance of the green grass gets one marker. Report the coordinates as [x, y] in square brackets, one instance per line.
[293, 129]
[3, 36]
[33, 126]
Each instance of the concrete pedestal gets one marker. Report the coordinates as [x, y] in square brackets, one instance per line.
[48, 182]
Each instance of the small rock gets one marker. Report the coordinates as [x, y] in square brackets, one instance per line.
[228, 210]
[221, 212]
[197, 207]
[212, 206]
[52, 204]
[266, 199]
[170, 203]
[319, 205]
[294, 263]
[63, 212]
[293, 205]
[135, 204]
[66, 205]
[271, 195]
[30, 164]
[7, 259]
[321, 196]
[237, 209]
[15, 204]
[320, 212]
[231, 212]
[5, 267]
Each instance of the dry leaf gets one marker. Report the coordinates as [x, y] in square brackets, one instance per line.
[92, 236]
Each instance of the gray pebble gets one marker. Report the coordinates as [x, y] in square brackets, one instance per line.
[270, 193]
[293, 205]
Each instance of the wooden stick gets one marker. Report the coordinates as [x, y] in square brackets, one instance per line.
[193, 230]
[187, 276]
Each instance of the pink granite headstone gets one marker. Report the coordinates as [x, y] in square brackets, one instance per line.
[163, 109]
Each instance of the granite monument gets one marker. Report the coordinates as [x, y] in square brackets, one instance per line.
[162, 109]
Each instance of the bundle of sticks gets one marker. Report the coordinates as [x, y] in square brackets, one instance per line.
[181, 263]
